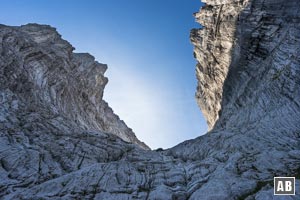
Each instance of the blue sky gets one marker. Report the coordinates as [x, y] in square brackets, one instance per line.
[146, 45]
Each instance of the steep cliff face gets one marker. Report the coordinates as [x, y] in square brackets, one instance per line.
[247, 53]
[42, 71]
[56, 138]
[213, 51]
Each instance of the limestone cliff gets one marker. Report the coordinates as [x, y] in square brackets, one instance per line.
[247, 53]
[58, 142]
[213, 51]
[40, 71]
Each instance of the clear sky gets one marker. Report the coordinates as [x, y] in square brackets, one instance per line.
[146, 45]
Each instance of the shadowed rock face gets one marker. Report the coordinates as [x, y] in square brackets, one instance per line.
[246, 51]
[58, 142]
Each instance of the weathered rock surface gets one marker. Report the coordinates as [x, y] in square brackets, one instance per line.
[39, 70]
[213, 50]
[59, 140]
[243, 52]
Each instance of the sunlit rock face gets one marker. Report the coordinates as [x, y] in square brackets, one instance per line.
[40, 71]
[59, 140]
[246, 52]
[213, 45]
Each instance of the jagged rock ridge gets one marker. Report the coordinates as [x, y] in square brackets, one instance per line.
[253, 112]
[41, 68]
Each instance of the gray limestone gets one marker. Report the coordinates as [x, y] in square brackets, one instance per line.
[60, 140]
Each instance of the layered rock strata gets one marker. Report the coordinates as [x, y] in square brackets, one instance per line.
[213, 45]
[39, 67]
[248, 54]
[243, 47]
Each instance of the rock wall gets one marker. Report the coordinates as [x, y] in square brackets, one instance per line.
[39, 67]
[243, 50]
[213, 46]
[248, 54]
